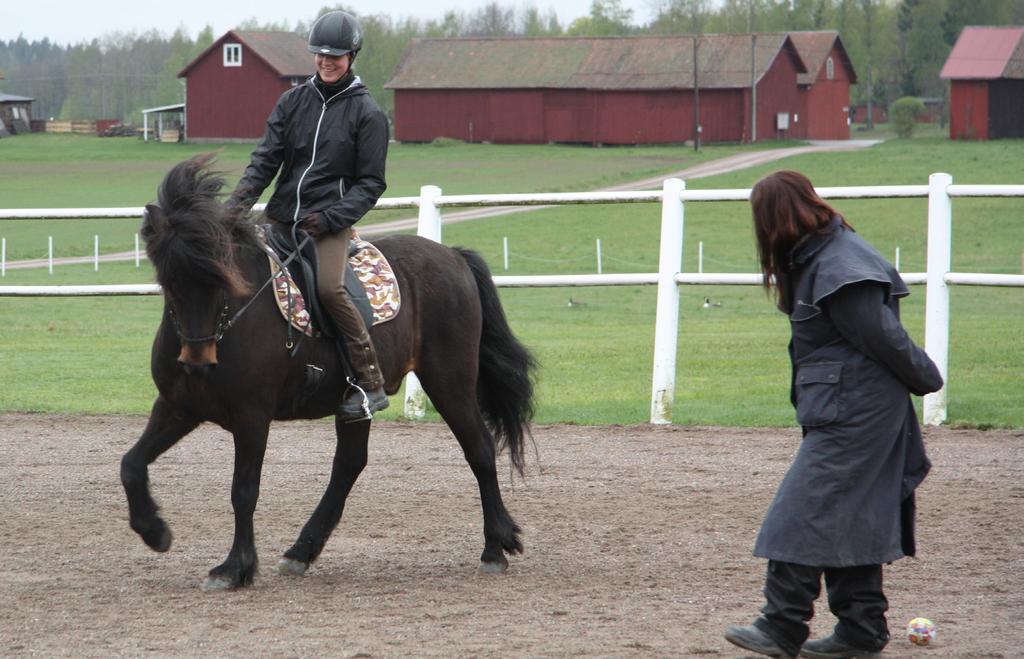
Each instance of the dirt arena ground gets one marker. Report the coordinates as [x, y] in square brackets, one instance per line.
[638, 543]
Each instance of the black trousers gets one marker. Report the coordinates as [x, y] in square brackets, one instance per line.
[854, 595]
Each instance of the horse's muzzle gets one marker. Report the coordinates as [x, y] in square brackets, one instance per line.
[198, 359]
[198, 370]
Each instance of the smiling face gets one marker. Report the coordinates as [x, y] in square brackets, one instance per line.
[332, 68]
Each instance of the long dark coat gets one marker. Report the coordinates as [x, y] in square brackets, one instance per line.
[848, 497]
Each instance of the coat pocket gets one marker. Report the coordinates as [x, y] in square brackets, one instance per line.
[818, 393]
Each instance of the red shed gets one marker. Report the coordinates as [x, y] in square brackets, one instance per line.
[986, 97]
[232, 86]
[594, 90]
[825, 88]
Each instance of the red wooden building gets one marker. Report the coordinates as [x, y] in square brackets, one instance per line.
[232, 86]
[825, 88]
[986, 96]
[604, 90]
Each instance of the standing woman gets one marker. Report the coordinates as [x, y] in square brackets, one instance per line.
[846, 505]
[326, 141]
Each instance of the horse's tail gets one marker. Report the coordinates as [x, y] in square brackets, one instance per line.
[505, 382]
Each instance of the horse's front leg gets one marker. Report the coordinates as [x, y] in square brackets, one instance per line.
[239, 568]
[165, 427]
[349, 461]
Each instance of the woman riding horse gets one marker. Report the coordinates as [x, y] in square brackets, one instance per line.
[326, 142]
[220, 355]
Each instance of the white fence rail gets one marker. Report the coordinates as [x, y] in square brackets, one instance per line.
[673, 197]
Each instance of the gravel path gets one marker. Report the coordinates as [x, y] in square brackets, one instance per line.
[637, 544]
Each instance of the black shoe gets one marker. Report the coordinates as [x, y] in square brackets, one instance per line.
[831, 647]
[359, 404]
[753, 639]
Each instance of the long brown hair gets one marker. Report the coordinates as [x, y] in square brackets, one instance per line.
[786, 209]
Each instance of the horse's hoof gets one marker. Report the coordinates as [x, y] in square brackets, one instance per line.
[289, 567]
[164, 542]
[159, 539]
[214, 584]
[487, 567]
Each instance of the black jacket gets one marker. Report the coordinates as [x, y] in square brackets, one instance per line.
[330, 153]
[848, 497]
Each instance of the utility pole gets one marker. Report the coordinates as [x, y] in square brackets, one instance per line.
[753, 74]
[869, 19]
[696, 98]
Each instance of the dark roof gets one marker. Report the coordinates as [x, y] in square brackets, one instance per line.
[11, 98]
[284, 52]
[587, 62]
[986, 53]
[814, 48]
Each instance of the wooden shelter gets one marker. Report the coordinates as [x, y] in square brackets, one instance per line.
[986, 72]
[231, 87]
[825, 88]
[595, 90]
[622, 90]
[15, 114]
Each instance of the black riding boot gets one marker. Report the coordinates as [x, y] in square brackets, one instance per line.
[366, 395]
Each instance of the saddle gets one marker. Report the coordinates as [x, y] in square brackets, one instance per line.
[369, 281]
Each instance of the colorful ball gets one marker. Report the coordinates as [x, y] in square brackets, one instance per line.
[921, 631]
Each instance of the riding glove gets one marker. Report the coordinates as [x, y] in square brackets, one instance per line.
[315, 225]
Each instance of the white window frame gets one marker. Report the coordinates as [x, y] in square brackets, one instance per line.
[232, 54]
[830, 69]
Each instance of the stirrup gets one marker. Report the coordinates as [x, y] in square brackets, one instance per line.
[364, 413]
[371, 402]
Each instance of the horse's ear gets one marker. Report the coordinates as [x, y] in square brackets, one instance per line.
[153, 219]
[153, 214]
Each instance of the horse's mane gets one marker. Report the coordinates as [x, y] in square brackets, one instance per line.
[191, 237]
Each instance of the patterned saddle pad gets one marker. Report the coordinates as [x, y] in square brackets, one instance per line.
[370, 267]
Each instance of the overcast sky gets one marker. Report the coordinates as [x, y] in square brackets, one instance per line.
[69, 22]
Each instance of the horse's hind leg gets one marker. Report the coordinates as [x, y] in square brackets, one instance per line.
[349, 461]
[455, 400]
[165, 427]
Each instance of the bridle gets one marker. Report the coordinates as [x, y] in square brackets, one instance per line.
[223, 322]
[216, 336]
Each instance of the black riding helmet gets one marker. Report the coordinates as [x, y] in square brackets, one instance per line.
[336, 33]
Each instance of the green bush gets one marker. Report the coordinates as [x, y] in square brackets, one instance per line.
[446, 141]
[903, 113]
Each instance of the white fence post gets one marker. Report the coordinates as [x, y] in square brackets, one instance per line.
[137, 256]
[429, 227]
[429, 215]
[96, 254]
[666, 326]
[936, 310]
[599, 256]
[49, 254]
[3, 257]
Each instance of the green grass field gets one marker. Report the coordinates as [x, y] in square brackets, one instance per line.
[91, 355]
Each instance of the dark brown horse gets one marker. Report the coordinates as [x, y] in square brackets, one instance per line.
[220, 355]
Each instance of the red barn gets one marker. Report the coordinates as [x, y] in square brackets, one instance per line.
[596, 90]
[986, 96]
[232, 86]
[825, 88]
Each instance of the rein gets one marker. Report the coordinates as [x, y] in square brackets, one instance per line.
[224, 325]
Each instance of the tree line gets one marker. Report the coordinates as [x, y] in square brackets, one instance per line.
[897, 46]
